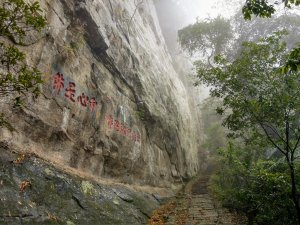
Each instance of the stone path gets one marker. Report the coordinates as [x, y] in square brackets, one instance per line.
[203, 209]
[196, 206]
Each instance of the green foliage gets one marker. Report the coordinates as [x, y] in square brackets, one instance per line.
[259, 86]
[140, 113]
[293, 61]
[258, 8]
[259, 189]
[17, 76]
[258, 27]
[260, 106]
[263, 8]
[71, 49]
[16, 19]
[252, 86]
[208, 37]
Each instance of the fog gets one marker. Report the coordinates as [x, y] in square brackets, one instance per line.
[176, 14]
[185, 12]
[193, 9]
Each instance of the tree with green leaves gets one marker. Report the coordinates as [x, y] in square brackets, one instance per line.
[263, 8]
[210, 37]
[17, 18]
[259, 99]
[260, 27]
[254, 186]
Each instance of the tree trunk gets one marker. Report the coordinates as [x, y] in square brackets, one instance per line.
[294, 191]
[291, 163]
[251, 216]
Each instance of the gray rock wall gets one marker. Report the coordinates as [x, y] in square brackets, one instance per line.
[112, 103]
[34, 192]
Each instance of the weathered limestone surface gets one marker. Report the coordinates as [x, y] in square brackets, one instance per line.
[137, 124]
[35, 192]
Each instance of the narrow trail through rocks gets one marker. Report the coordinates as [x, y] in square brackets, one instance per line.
[195, 206]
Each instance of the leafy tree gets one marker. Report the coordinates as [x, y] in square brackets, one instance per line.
[219, 36]
[17, 18]
[257, 188]
[207, 37]
[259, 99]
[258, 27]
[293, 61]
[263, 8]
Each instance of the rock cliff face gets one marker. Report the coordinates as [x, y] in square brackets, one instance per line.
[34, 192]
[112, 104]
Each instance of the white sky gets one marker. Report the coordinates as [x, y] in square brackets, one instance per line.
[208, 8]
[212, 8]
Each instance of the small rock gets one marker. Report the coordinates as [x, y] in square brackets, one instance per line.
[87, 188]
[70, 223]
[116, 201]
[49, 172]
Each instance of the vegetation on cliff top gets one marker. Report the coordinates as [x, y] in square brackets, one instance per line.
[17, 78]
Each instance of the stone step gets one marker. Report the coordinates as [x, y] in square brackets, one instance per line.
[200, 208]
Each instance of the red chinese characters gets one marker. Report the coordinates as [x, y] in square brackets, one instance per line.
[122, 129]
[83, 100]
[58, 82]
[110, 122]
[70, 92]
[116, 125]
[93, 104]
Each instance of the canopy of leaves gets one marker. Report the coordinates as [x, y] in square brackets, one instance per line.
[293, 62]
[205, 39]
[208, 37]
[263, 8]
[258, 95]
[16, 19]
[261, 99]
[258, 27]
[252, 186]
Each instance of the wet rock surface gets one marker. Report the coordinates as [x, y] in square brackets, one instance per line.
[112, 104]
[33, 191]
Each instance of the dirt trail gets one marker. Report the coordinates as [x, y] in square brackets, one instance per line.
[196, 206]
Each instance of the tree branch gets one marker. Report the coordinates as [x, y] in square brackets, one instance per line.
[274, 130]
[271, 140]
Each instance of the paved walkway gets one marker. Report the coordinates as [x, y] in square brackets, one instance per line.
[203, 209]
[196, 206]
